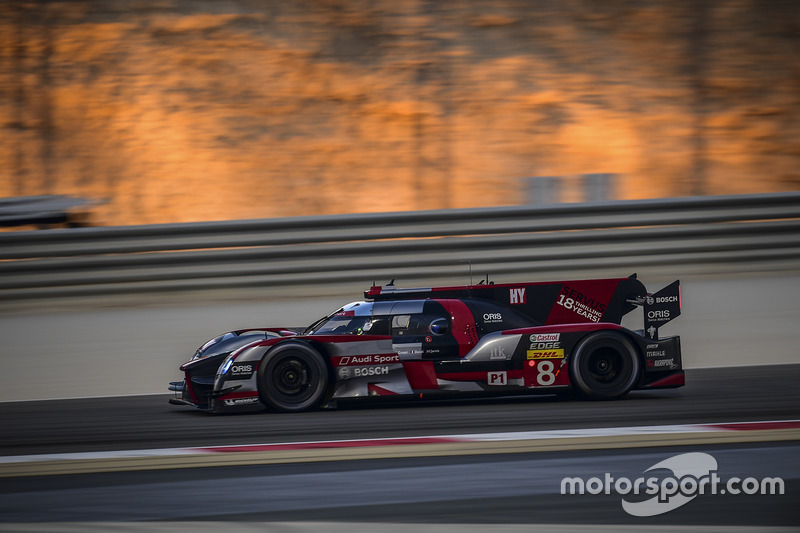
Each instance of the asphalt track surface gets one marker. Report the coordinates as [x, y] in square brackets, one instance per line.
[122, 423]
[514, 489]
[510, 492]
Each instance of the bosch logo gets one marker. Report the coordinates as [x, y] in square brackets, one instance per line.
[371, 371]
[666, 299]
[650, 300]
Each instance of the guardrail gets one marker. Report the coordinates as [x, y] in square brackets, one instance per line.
[727, 233]
[45, 211]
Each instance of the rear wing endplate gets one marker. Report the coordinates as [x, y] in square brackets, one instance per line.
[660, 308]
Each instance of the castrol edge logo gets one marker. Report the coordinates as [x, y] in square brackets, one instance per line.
[545, 346]
[545, 337]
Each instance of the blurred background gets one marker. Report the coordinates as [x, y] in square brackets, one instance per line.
[183, 110]
[315, 147]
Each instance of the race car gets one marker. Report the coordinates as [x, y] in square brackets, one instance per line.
[482, 339]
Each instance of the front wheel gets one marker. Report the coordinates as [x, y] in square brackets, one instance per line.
[604, 366]
[292, 377]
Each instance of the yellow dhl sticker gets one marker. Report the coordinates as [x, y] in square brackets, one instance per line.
[546, 354]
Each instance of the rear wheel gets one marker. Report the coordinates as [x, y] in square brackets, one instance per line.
[604, 366]
[292, 377]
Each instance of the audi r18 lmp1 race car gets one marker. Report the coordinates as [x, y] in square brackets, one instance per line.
[501, 339]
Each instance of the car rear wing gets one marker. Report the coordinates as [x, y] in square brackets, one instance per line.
[660, 308]
[546, 303]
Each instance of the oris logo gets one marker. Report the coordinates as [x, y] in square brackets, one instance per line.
[492, 317]
[239, 369]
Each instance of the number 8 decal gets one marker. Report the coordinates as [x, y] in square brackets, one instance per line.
[546, 375]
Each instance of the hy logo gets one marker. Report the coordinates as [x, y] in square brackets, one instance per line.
[517, 296]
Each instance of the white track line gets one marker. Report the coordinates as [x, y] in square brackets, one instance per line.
[411, 441]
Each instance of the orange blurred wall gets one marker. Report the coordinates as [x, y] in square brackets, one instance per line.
[181, 111]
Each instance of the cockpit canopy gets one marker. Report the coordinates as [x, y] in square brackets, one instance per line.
[384, 318]
[407, 318]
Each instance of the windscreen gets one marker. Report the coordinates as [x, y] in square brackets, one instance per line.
[343, 325]
[352, 319]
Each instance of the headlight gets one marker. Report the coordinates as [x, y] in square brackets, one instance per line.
[224, 367]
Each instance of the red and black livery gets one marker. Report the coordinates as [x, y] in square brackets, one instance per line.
[486, 339]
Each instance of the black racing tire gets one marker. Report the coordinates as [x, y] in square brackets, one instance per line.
[604, 366]
[292, 377]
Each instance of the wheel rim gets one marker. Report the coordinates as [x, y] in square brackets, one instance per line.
[605, 365]
[291, 378]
